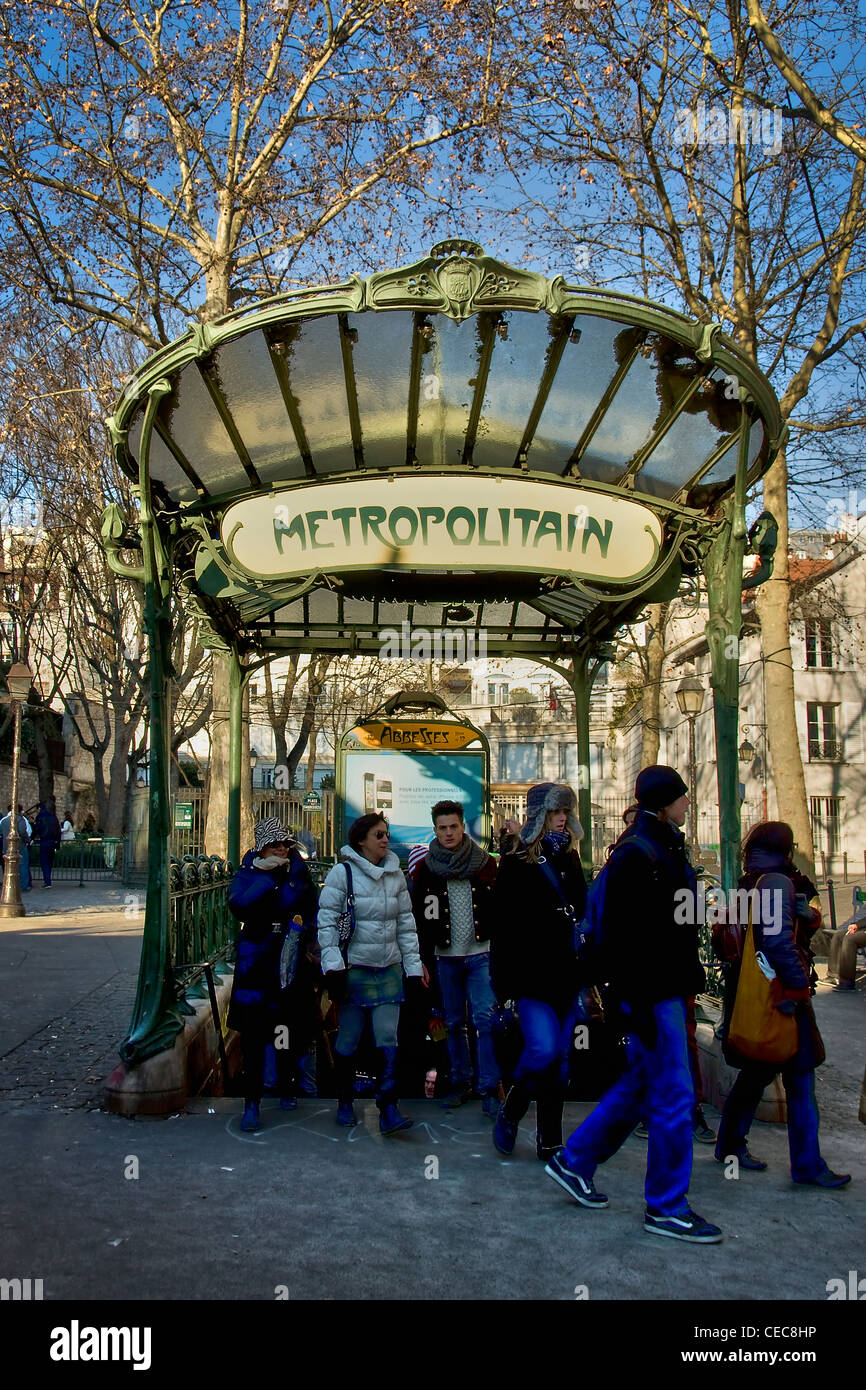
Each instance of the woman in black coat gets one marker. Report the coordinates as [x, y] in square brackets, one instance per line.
[273, 994]
[539, 898]
[782, 924]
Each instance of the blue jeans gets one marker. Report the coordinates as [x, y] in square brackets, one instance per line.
[547, 1040]
[657, 1084]
[465, 979]
[740, 1107]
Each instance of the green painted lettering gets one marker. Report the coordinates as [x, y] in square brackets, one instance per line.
[461, 514]
[403, 514]
[371, 520]
[603, 537]
[295, 528]
[344, 516]
[505, 520]
[482, 523]
[313, 519]
[549, 525]
[525, 516]
[426, 514]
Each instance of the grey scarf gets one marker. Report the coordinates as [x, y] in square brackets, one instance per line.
[462, 862]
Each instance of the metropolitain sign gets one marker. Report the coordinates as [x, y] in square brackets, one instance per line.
[442, 522]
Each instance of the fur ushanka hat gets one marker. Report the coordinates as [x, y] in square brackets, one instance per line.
[544, 797]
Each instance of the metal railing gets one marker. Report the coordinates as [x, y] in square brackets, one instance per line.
[202, 929]
[86, 859]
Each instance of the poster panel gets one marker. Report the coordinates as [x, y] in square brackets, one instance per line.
[405, 784]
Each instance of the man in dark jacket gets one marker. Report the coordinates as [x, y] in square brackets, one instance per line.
[46, 829]
[273, 896]
[651, 948]
[452, 894]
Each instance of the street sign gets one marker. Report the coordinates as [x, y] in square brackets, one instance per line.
[312, 801]
[183, 815]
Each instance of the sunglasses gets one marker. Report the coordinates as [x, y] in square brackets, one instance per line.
[382, 835]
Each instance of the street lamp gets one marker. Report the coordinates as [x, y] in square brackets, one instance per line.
[19, 679]
[747, 752]
[690, 698]
[254, 758]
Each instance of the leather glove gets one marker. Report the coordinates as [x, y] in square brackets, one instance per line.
[336, 983]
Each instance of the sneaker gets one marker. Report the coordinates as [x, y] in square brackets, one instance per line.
[490, 1104]
[701, 1131]
[825, 1179]
[640, 1131]
[689, 1226]
[456, 1097]
[288, 1102]
[345, 1113]
[504, 1133]
[251, 1121]
[745, 1160]
[581, 1189]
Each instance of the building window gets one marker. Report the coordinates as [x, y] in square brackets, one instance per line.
[823, 733]
[825, 813]
[568, 763]
[819, 643]
[519, 762]
[497, 693]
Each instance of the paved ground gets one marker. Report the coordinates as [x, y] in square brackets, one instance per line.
[102, 1207]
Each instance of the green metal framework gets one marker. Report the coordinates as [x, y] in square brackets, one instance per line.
[456, 365]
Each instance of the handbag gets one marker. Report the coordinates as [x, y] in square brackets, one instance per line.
[758, 1031]
[588, 1002]
[346, 919]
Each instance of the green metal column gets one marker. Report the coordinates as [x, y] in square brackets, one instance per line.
[581, 681]
[156, 1018]
[723, 572]
[236, 697]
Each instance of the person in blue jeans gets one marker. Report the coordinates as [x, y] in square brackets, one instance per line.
[651, 961]
[784, 940]
[540, 897]
[452, 898]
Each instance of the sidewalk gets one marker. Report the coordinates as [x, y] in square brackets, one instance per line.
[208, 1212]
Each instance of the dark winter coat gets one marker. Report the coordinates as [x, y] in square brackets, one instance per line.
[46, 828]
[651, 953]
[432, 907]
[785, 942]
[532, 943]
[265, 901]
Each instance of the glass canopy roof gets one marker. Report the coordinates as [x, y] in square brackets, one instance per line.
[459, 364]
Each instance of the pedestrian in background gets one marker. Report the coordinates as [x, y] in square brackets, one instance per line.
[273, 896]
[452, 897]
[539, 900]
[47, 830]
[785, 941]
[24, 836]
[368, 982]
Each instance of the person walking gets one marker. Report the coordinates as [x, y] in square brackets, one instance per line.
[47, 830]
[368, 983]
[538, 901]
[452, 897]
[273, 896]
[24, 835]
[653, 970]
[784, 939]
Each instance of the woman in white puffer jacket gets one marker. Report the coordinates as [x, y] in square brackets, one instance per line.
[384, 945]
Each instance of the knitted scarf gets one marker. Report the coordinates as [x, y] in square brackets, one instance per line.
[462, 862]
[556, 840]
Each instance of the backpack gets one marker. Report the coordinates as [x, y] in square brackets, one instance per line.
[592, 930]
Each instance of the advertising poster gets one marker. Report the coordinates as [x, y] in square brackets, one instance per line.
[405, 784]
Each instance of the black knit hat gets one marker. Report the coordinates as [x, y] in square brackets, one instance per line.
[658, 786]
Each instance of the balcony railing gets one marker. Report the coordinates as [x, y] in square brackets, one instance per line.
[825, 750]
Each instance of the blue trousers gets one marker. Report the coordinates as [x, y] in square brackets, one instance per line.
[547, 1038]
[657, 1085]
[740, 1107]
[462, 980]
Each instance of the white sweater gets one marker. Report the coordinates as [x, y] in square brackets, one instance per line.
[385, 932]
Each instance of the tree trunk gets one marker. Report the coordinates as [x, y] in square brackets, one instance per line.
[773, 610]
[216, 829]
[44, 770]
[311, 763]
[655, 655]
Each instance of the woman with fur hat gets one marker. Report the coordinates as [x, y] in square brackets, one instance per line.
[539, 900]
[273, 896]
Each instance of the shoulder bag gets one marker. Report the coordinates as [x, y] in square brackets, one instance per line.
[758, 1031]
[346, 919]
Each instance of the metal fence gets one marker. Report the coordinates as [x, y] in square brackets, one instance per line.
[316, 823]
[85, 860]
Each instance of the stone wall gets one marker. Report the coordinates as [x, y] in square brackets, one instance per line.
[28, 789]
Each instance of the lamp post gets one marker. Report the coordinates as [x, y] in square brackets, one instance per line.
[18, 680]
[747, 752]
[254, 758]
[690, 698]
